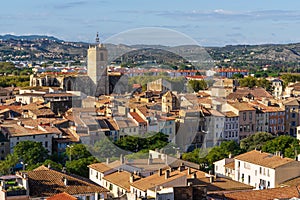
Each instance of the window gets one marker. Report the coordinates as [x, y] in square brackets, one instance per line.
[244, 116]
[239, 163]
[260, 170]
[250, 116]
[46, 144]
[269, 184]
[249, 179]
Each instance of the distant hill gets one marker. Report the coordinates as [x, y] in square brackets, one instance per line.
[28, 37]
[40, 47]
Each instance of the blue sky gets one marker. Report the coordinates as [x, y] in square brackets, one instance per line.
[209, 22]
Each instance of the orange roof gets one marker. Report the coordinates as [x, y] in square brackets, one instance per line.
[44, 182]
[156, 180]
[264, 159]
[122, 179]
[242, 106]
[230, 165]
[137, 117]
[275, 193]
[100, 167]
[62, 196]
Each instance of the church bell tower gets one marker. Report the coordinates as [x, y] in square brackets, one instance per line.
[97, 67]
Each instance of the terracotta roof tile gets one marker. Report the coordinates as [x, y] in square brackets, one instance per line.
[44, 182]
[62, 196]
[268, 194]
[264, 159]
[100, 167]
[122, 179]
[137, 117]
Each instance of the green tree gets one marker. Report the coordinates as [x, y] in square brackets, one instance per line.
[237, 76]
[287, 145]
[80, 166]
[53, 165]
[7, 164]
[255, 141]
[197, 85]
[223, 151]
[30, 152]
[249, 82]
[77, 151]
[105, 148]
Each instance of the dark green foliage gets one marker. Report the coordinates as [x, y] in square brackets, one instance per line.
[7, 164]
[77, 151]
[256, 140]
[237, 76]
[135, 144]
[197, 85]
[287, 145]
[30, 152]
[251, 82]
[214, 154]
[80, 166]
[105, 148]
[19, 81]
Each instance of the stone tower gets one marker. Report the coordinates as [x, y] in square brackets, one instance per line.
[169, 102]
[97, 67]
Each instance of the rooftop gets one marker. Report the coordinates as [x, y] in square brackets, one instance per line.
[275, 193]
[264, 159]
[45, 182]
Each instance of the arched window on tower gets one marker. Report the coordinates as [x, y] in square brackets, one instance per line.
[101, 57]
[69, 85]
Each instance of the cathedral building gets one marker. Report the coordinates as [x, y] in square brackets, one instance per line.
[97, 81]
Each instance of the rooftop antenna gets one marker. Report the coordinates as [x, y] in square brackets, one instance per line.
[97, 38]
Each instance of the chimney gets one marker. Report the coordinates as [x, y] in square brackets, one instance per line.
[121, 159]
[211, 179]
[178, 155]
[181, 167]
[64, 170]
[230, 155]
[160, 172]
[49, 166]
[194, 175]
[131, 178]
[150, 160]
[167, 174]
[65, 180]
[166, 159]
[189, 171]
[190, 183]
[107, 161]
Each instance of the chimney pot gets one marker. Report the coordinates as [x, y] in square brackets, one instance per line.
[211, 179]
[160, 172]
[65, 181]
[167, 174]
[131, 180]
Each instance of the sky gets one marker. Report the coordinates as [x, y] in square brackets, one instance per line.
[209, 22]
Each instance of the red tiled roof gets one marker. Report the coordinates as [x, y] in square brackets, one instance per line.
[62, 196]
[264, 159]
[44, 182]
[275, 193]
[137, 117]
